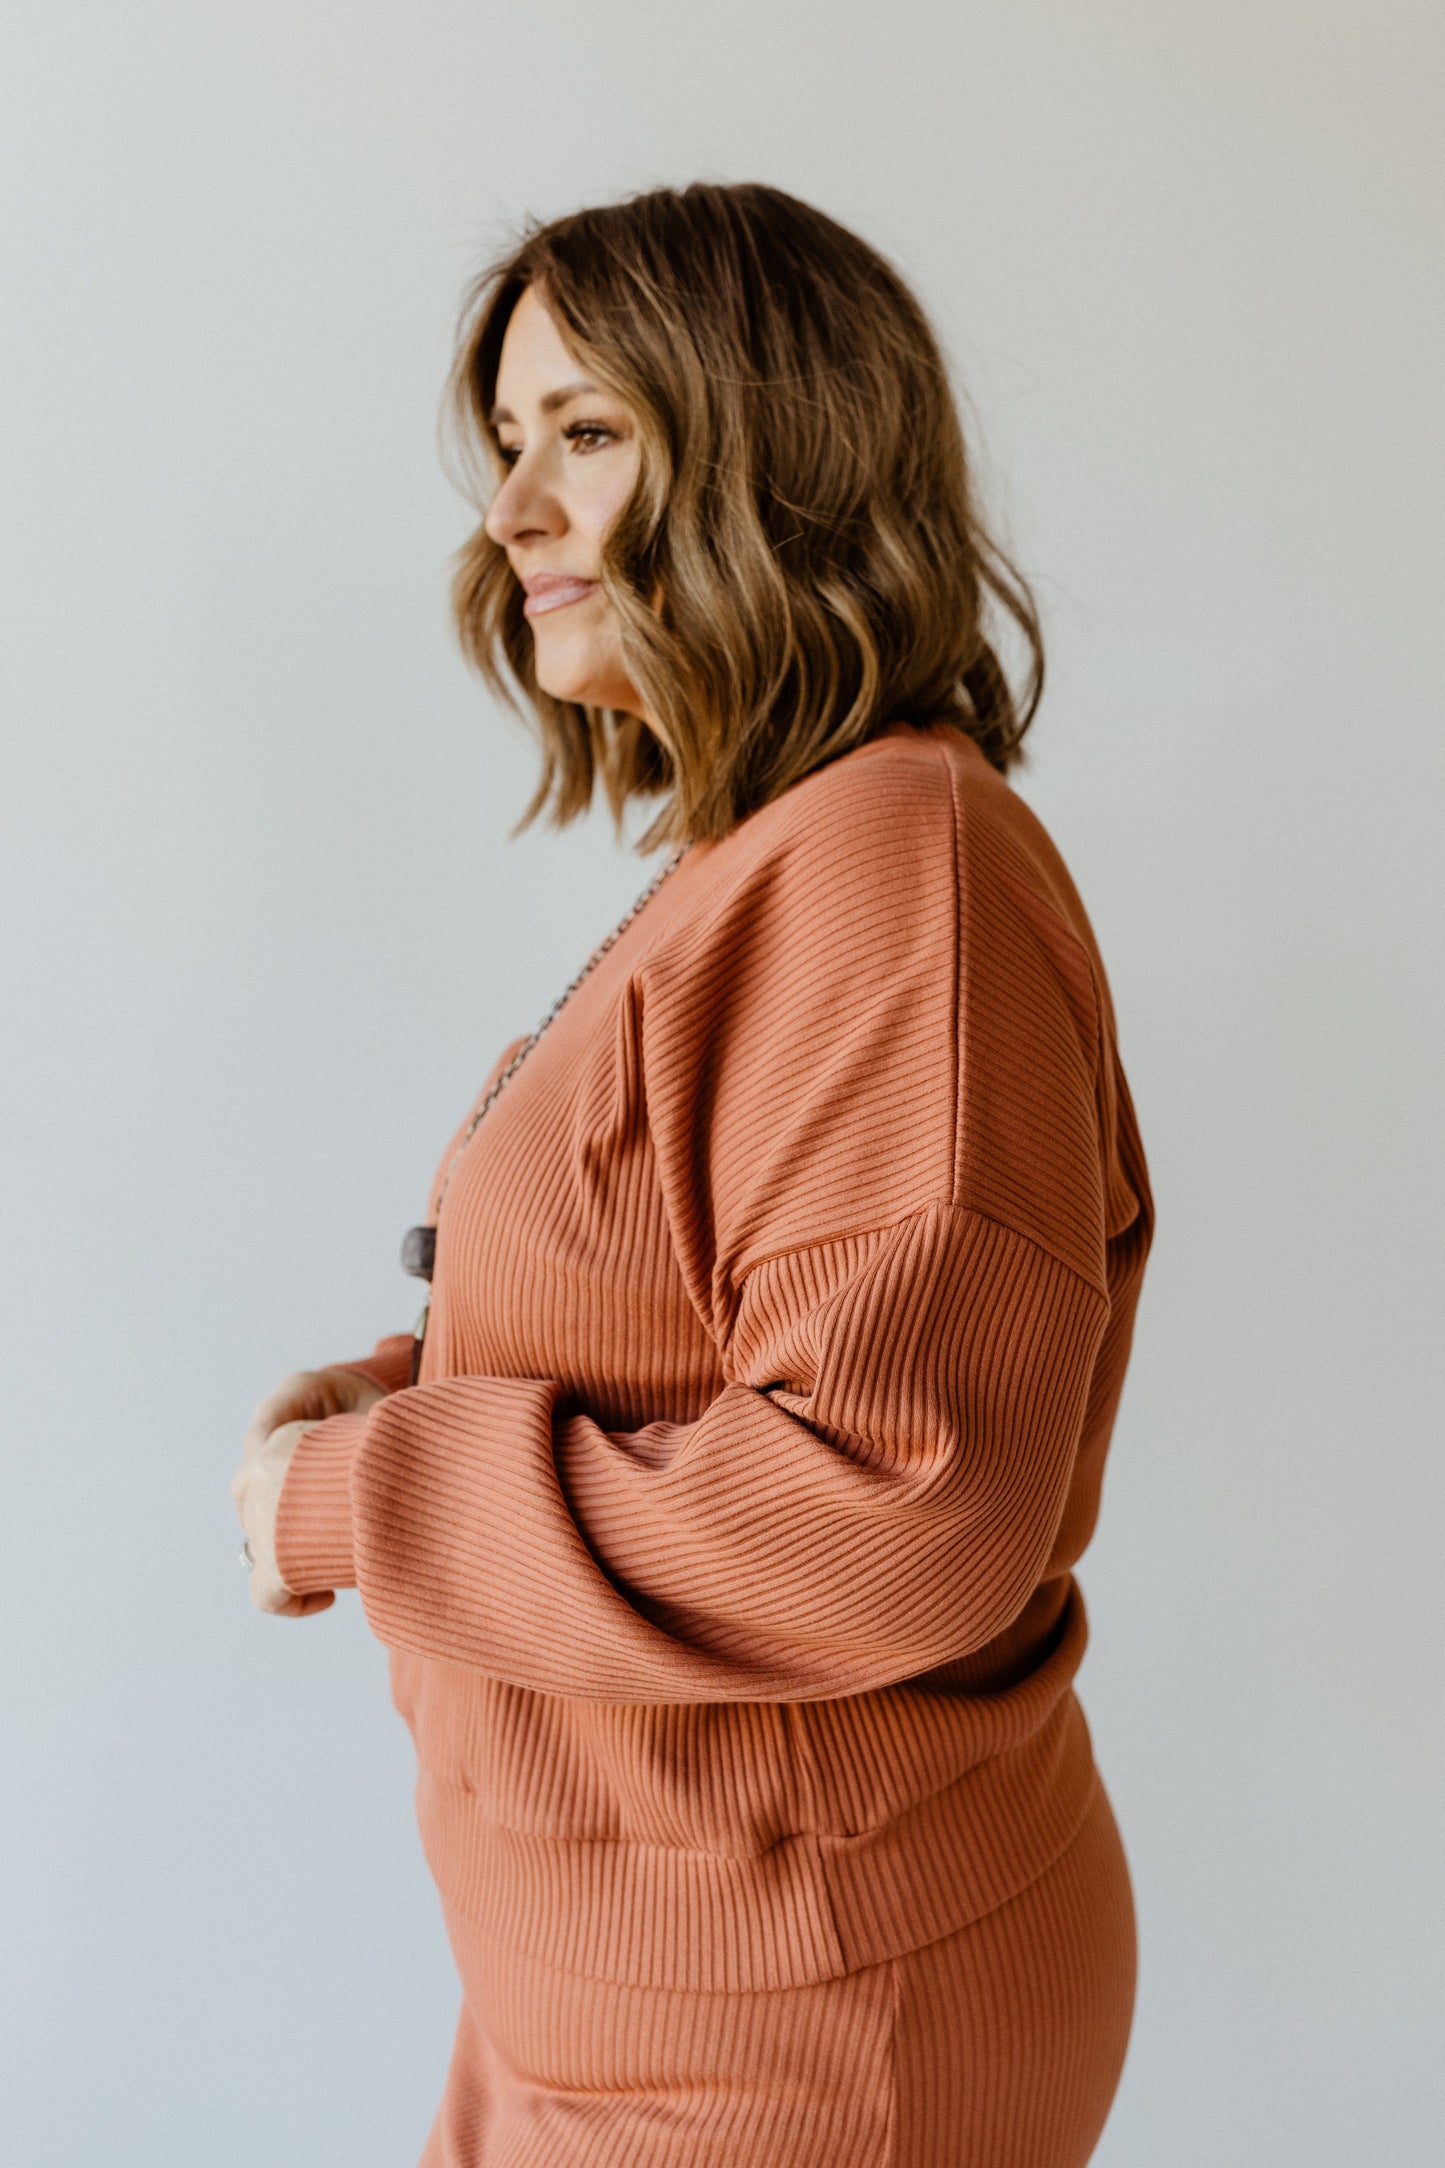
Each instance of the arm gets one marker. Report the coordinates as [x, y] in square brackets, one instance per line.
[876, 1487]
[875, 1491]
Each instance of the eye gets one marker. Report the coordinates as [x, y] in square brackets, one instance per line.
[509, 454]
[587, 436]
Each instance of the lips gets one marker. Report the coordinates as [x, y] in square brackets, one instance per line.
[554, 591]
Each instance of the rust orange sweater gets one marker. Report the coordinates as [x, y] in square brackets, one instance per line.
[781, 1309]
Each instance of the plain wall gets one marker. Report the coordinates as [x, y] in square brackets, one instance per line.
[265, 930]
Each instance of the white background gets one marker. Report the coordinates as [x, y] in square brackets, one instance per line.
[264, 931]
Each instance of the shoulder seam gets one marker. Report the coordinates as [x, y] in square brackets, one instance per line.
[776, 851]
[907, 1219]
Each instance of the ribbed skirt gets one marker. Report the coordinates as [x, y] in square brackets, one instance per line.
[998, 2047]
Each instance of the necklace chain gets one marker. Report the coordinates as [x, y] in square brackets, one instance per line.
[495, 1089]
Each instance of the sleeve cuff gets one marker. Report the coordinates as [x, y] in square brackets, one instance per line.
[314, 1548]
[389, 1363]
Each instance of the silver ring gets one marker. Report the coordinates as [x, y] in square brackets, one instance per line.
[246, 1559]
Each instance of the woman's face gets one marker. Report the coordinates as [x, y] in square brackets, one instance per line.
[571, 449]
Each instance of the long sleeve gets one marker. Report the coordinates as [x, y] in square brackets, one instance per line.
[880, 1138]
[876, 1493]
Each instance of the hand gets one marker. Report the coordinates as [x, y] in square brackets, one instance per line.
[306, 1397]
[310, 1396]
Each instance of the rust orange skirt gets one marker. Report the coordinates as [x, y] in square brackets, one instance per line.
[998, 2047]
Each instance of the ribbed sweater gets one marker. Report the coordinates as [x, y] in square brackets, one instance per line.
[781, 1308]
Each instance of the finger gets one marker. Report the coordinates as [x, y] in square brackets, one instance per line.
[254, 1441]
[257, 1438]
[291, 1388]
[268, 1591]
[242, 1488]
[305, 1394]
[282, 1603]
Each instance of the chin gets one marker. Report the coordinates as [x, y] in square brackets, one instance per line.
[581, 692]
[588, 681]
[563, 668]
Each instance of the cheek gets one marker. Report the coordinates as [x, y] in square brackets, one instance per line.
[601, 495]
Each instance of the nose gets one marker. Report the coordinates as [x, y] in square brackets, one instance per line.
[523, 507]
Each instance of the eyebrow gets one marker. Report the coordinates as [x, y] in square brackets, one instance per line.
[548, 403]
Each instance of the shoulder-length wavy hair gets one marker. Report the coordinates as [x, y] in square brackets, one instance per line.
[802, 561]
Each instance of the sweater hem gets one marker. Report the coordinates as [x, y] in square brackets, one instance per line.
[811, 1907]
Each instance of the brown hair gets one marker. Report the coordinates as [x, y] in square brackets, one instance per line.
[802, 561]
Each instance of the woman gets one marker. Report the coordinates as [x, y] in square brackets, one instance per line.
[721, 1532]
